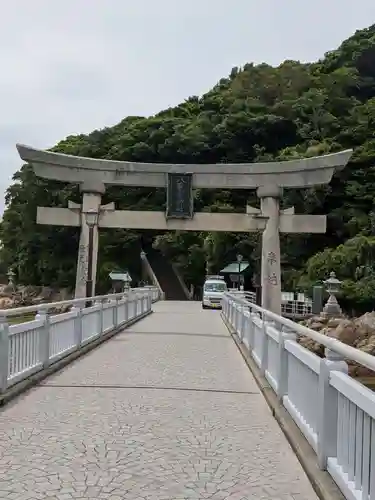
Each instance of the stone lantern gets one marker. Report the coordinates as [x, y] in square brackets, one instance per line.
[127, 281]
[332, 307]
[11, 275]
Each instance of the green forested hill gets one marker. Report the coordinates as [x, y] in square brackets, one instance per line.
[257, 113]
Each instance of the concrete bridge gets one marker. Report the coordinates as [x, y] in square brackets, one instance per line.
[113, 402]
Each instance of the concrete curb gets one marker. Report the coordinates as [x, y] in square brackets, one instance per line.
[27, 384]
[321, 481]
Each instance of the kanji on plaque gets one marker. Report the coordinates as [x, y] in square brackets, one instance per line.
[180, 196]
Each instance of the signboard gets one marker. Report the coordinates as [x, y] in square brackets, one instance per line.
[180, 196]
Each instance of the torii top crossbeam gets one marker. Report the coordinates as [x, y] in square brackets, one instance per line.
[296, 173]
[268, 178]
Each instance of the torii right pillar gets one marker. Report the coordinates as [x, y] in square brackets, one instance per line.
[271, 267]
[279, 221]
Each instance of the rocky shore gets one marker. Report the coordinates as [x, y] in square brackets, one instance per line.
[356, 332]
[21, 296]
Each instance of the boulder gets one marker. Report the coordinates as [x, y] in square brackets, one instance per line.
[355, 332]
[6, 303]
[368, 320]
[316, 325]
[316, 322]
[369, 346]
[345, 332]
[335, 322]
[7, 290]
[312, 346]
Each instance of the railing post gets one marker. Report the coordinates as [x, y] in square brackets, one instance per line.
[45, 337]
[126, 307]
[237, 320]
[283, 370]
[225, 307]
[244, 325]
[328, 407]
[136, 299]
[100, 317]
[247, 327]
[131, 306]
[264, 357]
[238, 317]
[115, 313]
[78, 323]
[242, 322]
[4, 353]
[252, 329]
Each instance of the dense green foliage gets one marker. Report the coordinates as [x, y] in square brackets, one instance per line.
[257, 113]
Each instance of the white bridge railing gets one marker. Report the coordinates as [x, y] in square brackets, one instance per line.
[299, 308]
[335, 413]
[31, 346]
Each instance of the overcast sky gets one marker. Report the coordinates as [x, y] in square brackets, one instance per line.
[70, 66]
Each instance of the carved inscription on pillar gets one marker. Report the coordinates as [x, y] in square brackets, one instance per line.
[82, 264]
[180, 196]
[271, 261]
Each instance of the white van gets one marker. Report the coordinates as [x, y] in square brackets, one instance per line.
[213, 291]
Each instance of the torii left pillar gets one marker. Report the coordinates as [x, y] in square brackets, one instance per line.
[91, 202]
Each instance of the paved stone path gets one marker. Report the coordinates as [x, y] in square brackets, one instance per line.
[164, 411]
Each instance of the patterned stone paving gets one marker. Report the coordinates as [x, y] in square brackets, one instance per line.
[168, 411]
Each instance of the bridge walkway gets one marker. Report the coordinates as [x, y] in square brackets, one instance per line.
[166, 410]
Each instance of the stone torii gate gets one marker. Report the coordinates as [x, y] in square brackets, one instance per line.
[269, 179]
